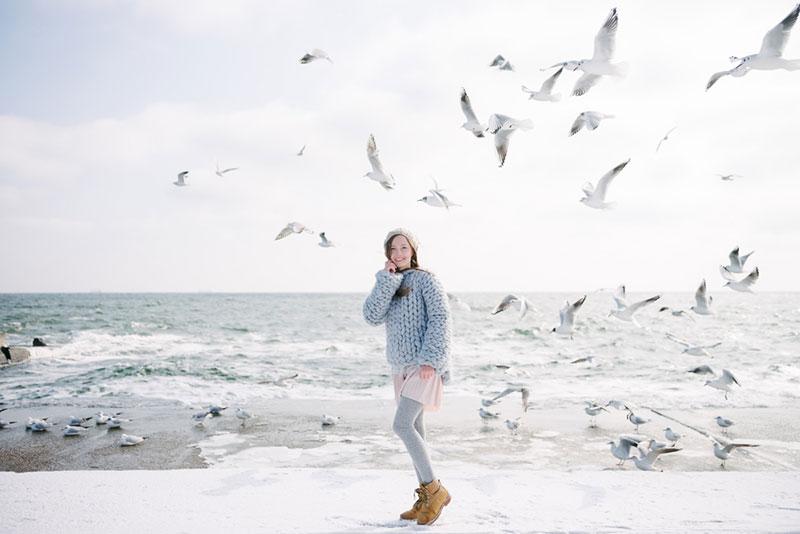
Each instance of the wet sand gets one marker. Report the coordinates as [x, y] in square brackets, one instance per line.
[558, 439]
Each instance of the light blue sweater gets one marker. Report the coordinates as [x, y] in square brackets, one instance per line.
[417, 325]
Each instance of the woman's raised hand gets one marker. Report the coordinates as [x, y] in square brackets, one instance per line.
[426, 372]
[390, 266]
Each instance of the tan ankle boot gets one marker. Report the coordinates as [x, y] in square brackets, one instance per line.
[412, 514]
[434, 498]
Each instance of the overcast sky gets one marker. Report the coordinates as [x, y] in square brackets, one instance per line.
[103, 103]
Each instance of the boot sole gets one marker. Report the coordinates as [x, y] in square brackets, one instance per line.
[432, 521]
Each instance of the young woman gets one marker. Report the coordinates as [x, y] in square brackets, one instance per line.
[415, 309]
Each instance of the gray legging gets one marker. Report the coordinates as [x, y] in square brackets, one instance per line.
[410, 427]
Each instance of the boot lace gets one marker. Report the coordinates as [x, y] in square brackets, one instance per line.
[422, 496]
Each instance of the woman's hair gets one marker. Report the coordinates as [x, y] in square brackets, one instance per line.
[402, 291]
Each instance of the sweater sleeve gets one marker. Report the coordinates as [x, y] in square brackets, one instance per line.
[377, 304]
[435, 349]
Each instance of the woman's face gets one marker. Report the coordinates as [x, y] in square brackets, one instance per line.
[400, 252]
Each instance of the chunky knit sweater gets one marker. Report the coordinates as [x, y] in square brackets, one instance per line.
[417, 325]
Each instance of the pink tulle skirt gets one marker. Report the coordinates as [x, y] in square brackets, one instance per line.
[427, 392]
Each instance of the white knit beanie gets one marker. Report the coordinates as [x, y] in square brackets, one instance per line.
[412, 239]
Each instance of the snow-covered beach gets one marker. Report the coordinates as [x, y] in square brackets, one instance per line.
[368, 500]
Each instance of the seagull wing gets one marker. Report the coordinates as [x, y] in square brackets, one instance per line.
[505, 303]
[716, 76]
[577, 125]
[605, 181]
[498, 60]
[728, 378]
[775, 40]
[372, 155]
[588, 189]
[496, 122]
[636, 305]
[501, 140]
[570, 311]
[730, 446]
[287, 231]
[700, 296]
[466, 107]
[751, 278]
[733, 258]
[548, 84]
[584, 83]
[505, 392]
[604, 41]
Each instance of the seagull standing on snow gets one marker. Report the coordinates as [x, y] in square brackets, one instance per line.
[472, 124]
[593, 409]
[600, 63]
[724, 452]
[293, 228]
[589, 119]
[723, 423]
[243, 415]
[596, 197]
[636, 420]
[723, 382]
[770, 55]
[567, 316]
[671, 435]
[129, 440]
[702, 300]
[545, 93]
[377, 173]
[182, 179]
[622, 450]
[314, 55]
[502, 127]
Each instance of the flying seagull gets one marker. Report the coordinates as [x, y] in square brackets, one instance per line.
[437, 198]
[666, 136]
[377, 173]
[182, 178]
[770, 57]
[589, 119]
[324, 242]
[596, 197]
[502, 126]
[545, 93]
[702, 300]
[567, 316]
[472, 124]
[314, 55]
[293, 228]
[600, 63]
[221, 172]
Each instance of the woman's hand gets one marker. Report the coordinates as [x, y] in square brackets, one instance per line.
[426, 372]
[390, 266]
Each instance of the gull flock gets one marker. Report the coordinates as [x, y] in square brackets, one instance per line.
[502, 128]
